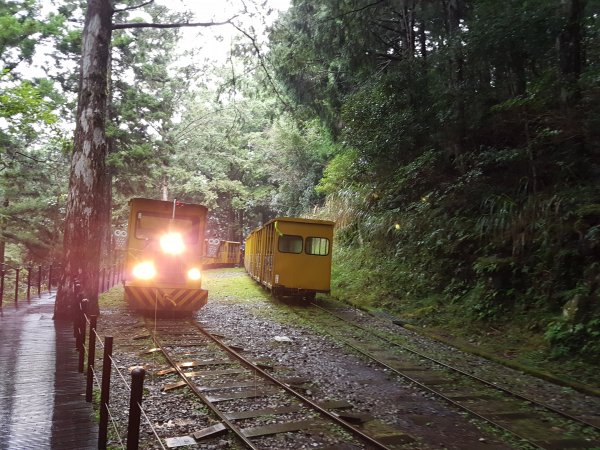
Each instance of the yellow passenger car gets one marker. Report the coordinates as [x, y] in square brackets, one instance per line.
[220, 253]
[163, 259]
[291, 256]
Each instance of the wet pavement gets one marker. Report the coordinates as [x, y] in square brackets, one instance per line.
[42, 395]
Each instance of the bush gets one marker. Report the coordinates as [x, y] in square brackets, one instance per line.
[567, 339]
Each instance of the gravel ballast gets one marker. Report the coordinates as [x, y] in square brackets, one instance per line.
[268, 330]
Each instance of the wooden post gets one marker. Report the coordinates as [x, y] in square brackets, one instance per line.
[29, 269]
[135, 408]
[91, 358]
[105, 392]
[17, 271]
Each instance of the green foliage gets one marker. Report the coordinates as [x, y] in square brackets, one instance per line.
[384, 123]
[296, 159]
[220, 161]
[341, 167]
[32, 163]
[367, 277]
[21, 29]
[32, 188]
[23, 106]
[146, 91]
[567, 338]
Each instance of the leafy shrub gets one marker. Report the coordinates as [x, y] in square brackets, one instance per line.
[567, 339]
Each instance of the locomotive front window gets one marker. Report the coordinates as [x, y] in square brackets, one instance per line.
[152, 226]
[317, 246]
[290, 244]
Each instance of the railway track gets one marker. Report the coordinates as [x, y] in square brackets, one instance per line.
[262, 411]
[533, 422]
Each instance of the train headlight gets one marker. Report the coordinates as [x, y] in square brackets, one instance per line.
[172, 243]
[194, 274]
[144, 270]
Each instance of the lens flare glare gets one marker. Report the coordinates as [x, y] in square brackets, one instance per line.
[172, 244]
[194, 274]
[144, 270]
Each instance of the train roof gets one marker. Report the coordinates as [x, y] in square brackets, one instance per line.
[298, 219]
[151, 201]
[295, 220]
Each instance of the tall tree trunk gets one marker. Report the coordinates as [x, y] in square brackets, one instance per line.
[517, 59]
[423, 40]
[454, 13]
[108, 252]
[165, 188]
[570, 51]
[231, 220]
[85, 204]
[4, 201]
[241, 226]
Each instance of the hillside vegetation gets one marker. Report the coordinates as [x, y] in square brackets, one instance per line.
[465, 180]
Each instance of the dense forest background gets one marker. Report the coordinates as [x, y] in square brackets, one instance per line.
[456, 144]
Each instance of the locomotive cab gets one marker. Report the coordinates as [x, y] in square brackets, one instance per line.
[163, 263]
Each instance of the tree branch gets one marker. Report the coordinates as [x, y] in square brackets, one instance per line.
[184, 131]
[264, 67]
[120, 26]
[129, 8]
[34, 159]
[353, 11]
[387, 56]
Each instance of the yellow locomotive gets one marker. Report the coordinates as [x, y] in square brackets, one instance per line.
[291, 256]
[163, 256]
[220, 253]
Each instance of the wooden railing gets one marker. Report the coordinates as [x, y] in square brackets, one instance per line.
[19, 282]
[23, 282]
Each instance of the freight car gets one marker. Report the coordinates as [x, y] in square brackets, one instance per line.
[291, 256]
[220, 253]
[163, 259]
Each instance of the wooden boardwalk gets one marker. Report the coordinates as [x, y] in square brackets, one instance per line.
[42, 395]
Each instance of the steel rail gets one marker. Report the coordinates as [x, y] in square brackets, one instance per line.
[436, 392]
[462, 372]
[291, 391]
[234, 428]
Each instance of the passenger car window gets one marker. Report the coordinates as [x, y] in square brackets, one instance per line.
[317, 246]
[290, 244]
